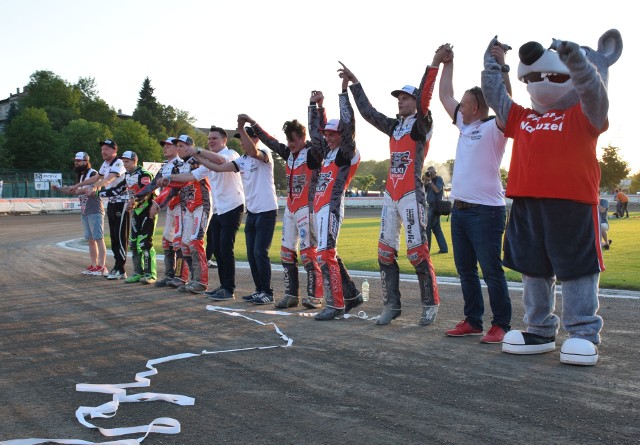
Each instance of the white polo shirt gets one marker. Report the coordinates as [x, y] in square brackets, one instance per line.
[257, 180]
[226, 187]
[476, 173]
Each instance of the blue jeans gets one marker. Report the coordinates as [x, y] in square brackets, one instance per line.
[258, 231]
[476, 234]
[433, 225]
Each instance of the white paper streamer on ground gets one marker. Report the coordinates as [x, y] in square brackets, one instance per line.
[161, 425]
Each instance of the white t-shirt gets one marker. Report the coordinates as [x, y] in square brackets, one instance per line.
[257, 180]
[476, 172]
[226, 187]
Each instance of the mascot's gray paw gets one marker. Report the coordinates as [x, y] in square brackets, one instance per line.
[578, 351]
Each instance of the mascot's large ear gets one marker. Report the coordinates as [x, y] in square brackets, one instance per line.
[610, 45]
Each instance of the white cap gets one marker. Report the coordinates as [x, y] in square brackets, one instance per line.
[332, 125]
[81, 156]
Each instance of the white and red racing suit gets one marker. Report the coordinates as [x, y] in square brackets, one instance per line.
[195, 203]
[298, 222]
[404, 197]
[338, 167]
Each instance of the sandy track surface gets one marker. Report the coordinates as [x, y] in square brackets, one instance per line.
[343, 381]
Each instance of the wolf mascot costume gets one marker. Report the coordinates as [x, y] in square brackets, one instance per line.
[554, 178]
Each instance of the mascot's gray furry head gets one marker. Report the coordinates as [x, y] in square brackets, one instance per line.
[554, 75]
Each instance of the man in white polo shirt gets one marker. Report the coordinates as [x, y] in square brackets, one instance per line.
[228, 198]
[256, 170]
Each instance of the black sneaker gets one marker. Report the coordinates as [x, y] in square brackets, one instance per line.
[262, 298]
[222, 295]
[211, 293]
[248, 298]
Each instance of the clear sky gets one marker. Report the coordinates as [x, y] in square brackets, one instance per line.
[216, 59]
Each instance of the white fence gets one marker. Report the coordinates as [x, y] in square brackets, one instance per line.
[46, 205]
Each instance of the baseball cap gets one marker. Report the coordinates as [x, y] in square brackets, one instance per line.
[170, 141]
[184, 138]
[250, 131]
[108, 142]
[408, 89]
[332, 125]
[129, 155]
[81, 156]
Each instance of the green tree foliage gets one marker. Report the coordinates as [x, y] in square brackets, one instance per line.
[634, 187]
[177, 122]
[12, 113]
[5, 154]
[132, 135]
[149, 112]
[92, 107]
[449, 164]
[612, 168]
[504, 177]
[363, 182]
[34, 143]
[48, 91]
[82, 135]
[379, 170]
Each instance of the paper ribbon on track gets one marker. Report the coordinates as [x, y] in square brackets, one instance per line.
[161, 425]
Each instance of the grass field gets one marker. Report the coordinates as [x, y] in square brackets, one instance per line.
[359, 240]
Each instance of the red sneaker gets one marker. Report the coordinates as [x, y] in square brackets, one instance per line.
[462, 329]
[493, 335]
[88, 271]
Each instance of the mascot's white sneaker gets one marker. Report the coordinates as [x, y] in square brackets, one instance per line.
[578, 351]
[518, 342]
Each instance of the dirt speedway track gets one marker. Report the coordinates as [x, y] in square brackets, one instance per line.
[343, 381]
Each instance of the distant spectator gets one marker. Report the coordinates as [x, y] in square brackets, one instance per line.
[623, 202]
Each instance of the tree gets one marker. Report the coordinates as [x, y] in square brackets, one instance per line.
[379, 170]
[82, 135]
[92, 107]
[612, 168]
[504, 177]
[149, 112]
[48, 91]
[12, 113]
[5, 154]
[34, 143]
[132, 135]
[364, 182]
[634, 187]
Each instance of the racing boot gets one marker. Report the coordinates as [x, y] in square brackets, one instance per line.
[287, 301]
[352, 303]
[428, 315]
[329, 313]
[390, 277]
[169, 268]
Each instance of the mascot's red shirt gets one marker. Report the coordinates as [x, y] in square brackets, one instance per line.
[554, 155]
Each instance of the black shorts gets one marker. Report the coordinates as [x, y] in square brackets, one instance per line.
[547, 237]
